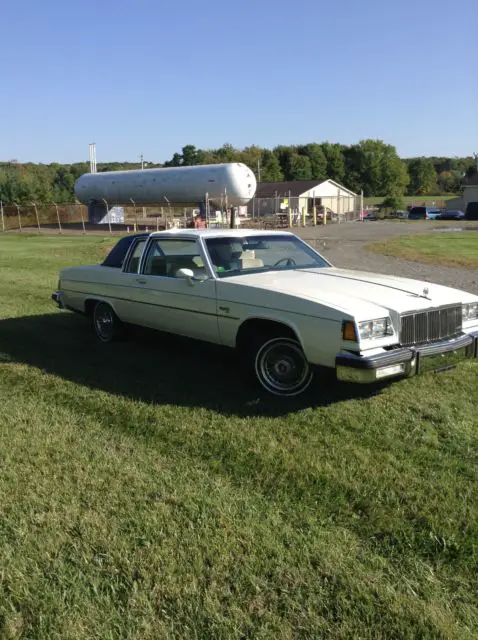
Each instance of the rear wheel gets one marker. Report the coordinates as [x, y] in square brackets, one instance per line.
[106, 323]
[281, 367]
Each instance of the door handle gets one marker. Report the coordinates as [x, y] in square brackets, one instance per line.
[141, 281]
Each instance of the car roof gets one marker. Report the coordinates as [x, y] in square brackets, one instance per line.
[217, 233]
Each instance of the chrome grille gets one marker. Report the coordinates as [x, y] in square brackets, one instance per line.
[428, 326]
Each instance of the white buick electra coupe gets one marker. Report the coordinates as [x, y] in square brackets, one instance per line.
[272, 297]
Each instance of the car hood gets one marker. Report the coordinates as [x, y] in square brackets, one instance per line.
[356, 291]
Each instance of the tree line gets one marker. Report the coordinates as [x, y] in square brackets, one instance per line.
[370, 165]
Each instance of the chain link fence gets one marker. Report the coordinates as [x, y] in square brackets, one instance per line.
[76, 217]
[265, 213]
[299, 211]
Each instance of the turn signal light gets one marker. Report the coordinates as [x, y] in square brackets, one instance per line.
[348, 331]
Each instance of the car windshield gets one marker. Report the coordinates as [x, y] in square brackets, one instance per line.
[232, 256]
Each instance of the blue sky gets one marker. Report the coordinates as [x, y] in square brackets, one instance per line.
[152, 76]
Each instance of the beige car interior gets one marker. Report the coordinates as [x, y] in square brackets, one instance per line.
[248, 260]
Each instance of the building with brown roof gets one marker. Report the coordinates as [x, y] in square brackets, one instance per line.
[299, 195]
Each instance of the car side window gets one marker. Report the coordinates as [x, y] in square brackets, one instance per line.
[135, 257]
[167, 256]
[118, 253]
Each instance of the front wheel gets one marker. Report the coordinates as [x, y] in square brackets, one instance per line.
[281, 367]
[106, 323]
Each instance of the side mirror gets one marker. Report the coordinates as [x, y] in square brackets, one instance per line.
[188, 274]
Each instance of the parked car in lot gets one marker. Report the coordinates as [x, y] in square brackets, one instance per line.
[281, 305]
[471, 212]
[400, 215]
[424, 213]
[452, 214]
[370, 216]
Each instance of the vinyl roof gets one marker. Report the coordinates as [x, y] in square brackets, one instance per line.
[239, 233]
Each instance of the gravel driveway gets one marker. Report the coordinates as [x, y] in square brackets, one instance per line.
[343, 245]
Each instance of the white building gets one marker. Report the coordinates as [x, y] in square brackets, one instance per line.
[302, 196]
[469, 195]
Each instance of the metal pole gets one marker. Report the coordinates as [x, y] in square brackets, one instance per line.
[58, 217]
[170, 214]
[134, 214]
[36, 215]
[3, 220]
[108, 214]
[19, 217]
[82, 220]
[361, 205]
[231, 223]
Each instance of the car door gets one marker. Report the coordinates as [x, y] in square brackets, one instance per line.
[170, 302]
[128, 290]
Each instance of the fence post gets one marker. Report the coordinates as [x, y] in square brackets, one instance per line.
[36, 215]
[134, 214]
[82, 220]
[108, 214]
[3, 220]
[19, 217]
[57, 217]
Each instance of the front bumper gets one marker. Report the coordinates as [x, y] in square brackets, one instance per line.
[407, 361]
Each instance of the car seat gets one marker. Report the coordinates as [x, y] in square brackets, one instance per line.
[248, 260]
[226, 255]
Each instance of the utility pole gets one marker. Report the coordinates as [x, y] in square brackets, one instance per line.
[258, 169]
[142, 161]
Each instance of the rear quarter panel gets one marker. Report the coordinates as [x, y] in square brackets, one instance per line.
[79, 284]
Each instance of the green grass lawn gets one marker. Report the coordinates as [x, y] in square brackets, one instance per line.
[147, 491]
[452, 249]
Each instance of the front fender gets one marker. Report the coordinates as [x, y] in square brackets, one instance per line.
[320, 339]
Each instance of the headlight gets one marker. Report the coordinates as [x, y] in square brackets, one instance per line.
[470, 311]
[375, 329]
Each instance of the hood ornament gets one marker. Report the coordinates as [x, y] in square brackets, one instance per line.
[426, 291]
